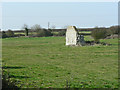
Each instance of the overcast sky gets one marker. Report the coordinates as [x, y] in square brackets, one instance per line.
[60, 14]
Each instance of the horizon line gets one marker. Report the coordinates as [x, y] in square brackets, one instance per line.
[60, 28]
[59, 0]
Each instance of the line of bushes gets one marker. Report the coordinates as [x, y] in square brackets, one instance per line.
[102, 33]
[7, 34]
[37, 31]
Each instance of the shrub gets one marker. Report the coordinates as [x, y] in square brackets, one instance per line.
[113, 30]
[61, 33]
[10, 33]
[4, 34]
[99, 33]
[43, 33]
[26, 29]
[7, 83]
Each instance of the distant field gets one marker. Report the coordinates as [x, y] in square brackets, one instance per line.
[46, 62]
[85, 32]
[24, 33]
[52, 32]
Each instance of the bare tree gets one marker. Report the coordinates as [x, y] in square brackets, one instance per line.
[36, 27]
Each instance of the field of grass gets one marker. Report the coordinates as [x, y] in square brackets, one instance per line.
[85, 32]
[24, 33]
[52, 32]
[46, 62]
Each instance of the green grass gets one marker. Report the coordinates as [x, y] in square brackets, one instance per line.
[84, 31]
[24, 33]
[46, 62]
[19, 33]
[55, 32]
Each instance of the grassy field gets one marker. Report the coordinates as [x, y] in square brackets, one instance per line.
[46, 62]
[85, 32]
[52, 32]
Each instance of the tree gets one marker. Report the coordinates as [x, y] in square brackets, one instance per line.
[36, 27]
[26, 29]
[4, 34]
[44, 33]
